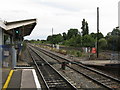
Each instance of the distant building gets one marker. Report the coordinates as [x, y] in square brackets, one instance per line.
[119, 14]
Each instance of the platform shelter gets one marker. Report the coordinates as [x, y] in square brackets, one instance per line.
[11, 39]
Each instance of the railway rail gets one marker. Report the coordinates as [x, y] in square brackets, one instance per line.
[51, 77]
[105, 80]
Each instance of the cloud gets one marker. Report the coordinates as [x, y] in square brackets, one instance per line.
[61, 14]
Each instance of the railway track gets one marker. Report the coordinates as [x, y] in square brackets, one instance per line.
[98, 77]
[52, 79]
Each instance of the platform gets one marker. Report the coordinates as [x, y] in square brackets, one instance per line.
[100, 62]
[113, 65]
[21, 79]
[5, 73]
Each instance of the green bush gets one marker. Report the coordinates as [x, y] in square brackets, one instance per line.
[78, 54]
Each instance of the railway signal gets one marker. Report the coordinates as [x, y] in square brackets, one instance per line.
[17, 31]
[17, 34]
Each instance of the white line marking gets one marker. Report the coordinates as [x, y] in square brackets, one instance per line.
[38, 86]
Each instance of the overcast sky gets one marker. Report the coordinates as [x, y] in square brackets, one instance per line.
[61, 15]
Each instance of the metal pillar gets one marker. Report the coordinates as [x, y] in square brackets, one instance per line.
[14, 52]
[1, 55]
[1, 44]
[14, 57]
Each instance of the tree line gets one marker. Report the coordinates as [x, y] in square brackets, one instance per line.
[83, 39]
[76, 38]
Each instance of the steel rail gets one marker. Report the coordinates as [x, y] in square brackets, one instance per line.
[78, 63]
[105, 75]
[69, 84]
[39, 71]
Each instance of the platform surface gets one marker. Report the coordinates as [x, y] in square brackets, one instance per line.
[27, 79]
[5, 72]
[100, 62]
[22, 79]
[15, 81]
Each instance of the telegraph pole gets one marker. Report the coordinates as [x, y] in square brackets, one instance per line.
[97, 31]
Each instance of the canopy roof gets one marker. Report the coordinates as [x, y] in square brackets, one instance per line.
[24, 26]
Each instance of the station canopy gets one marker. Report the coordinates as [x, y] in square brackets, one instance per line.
[25, 27]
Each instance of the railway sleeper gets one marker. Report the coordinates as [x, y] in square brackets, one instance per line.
[57, 85]
[52, 63]
[105, 81]
[42, 64]
[113, 84]
[38, 62]
[49, 81]
[56, 81]
[100, 79]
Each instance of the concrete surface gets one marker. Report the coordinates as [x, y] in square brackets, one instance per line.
[16, 79]
[100, 62]
[27, 79]
[5, 73]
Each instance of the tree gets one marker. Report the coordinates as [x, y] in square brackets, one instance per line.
[100, 35]
[74, 41]
[88, 41]
[113, 39]
[55, 39]
[38, 40]
[72, 32]
[85, 28]
[64, 36]
[116, 31]
[70, 42]
[43, 41]
[78, 40]
[58, 38]
[103, 43]
[113, 42]
[49, 38]
[94, 35]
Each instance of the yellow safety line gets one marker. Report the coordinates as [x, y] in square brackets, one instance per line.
[8, 80]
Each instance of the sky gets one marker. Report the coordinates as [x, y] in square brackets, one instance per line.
[61, 15]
